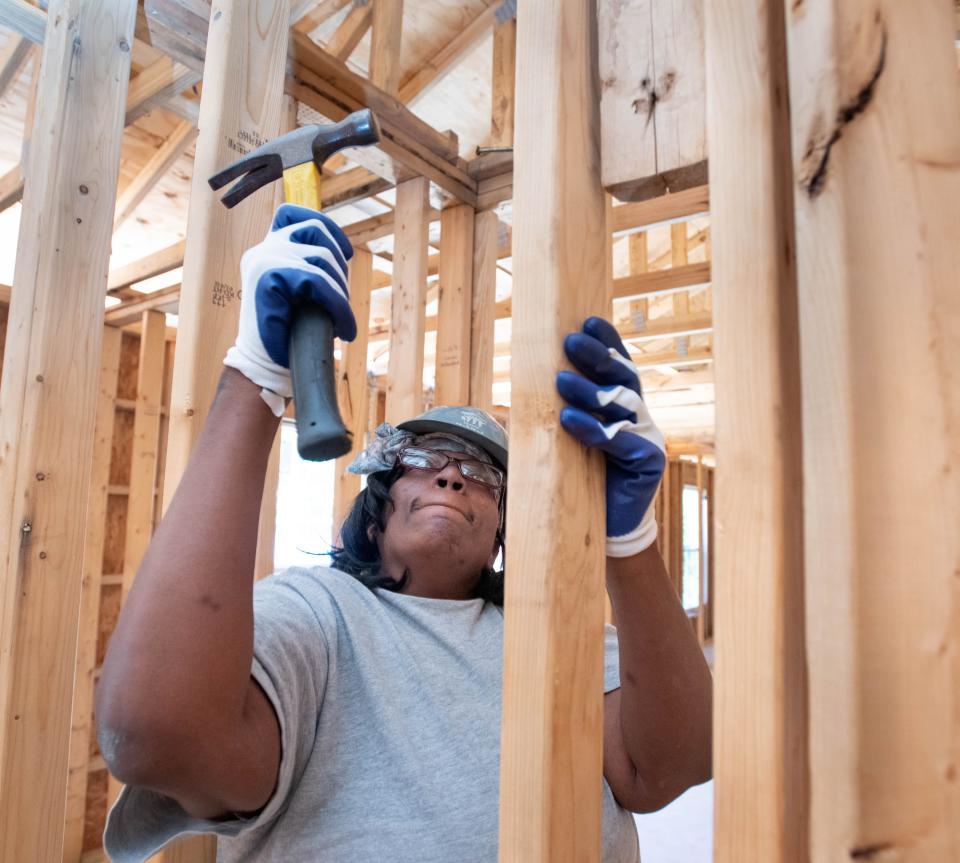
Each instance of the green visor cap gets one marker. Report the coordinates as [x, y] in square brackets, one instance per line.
[471, 424]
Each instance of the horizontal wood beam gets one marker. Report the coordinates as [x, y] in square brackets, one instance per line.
[662, 281]
[350, 186]
[628, 218]
[669, 326]
[130, 312]
[152, 265]
[22, 18]
[672, 358]
[377, 227]
[398, 156]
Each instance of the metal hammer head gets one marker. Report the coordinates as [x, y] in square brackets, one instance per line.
[308, 143]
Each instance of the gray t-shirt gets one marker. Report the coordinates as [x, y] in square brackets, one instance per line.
[389, 710]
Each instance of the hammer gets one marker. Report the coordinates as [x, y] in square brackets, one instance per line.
[297, 158]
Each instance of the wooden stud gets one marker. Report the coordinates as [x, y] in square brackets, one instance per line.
[143, 462]
[81, 723]
[759, 708]
[353, 392]
[504, 79]
[408, 310]
[155, 168]
[483, 312]
[876, 142]
[678, 255]
[47, 419]
[454, 306]
[267, 524]
[242, 85]
[352, 29]
[243, 66]
[387, 29]
[146, 444]
[551, 752]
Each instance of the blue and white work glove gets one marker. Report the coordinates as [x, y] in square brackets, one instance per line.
[607, 411]
[303, 259]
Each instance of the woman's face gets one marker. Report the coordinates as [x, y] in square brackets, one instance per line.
[439, 513]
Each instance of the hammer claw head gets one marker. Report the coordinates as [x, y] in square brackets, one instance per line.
[256, 170]
[307, 143]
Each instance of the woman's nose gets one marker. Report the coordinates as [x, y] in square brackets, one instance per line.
[450, 476]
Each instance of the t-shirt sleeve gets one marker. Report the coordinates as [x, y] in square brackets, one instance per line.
[611, 658]
[290, 663]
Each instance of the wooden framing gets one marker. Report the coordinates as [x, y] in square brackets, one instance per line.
[242, 85]
[80, 726]
[876, 137]
[551, 749]
[47, 420]
[386, 30]
[759, 708]
[146, 444]
[454, 306]
[353, 393]
[651, 63]
[483, 312]
[158, 165]
[504, 80]
[408, 309]
[13, 58]
[417, 84]
[351, 30]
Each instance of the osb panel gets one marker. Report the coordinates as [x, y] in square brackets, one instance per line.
[95, 816]
[109, 612]
[129, 366]
[121, 447]
[115, 534]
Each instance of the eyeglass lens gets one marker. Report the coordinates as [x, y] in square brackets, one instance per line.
[426, 459]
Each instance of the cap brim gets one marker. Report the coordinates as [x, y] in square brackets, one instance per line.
[497, 453]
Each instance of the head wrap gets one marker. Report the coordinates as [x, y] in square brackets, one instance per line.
[381, 453]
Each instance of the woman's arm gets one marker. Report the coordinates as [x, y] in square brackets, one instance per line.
[657, 728]
[176, 706]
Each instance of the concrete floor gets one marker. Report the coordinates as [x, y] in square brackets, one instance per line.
[681, 832]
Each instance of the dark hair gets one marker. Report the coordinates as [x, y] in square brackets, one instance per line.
[359, 556]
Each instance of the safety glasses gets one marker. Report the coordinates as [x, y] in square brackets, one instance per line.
[472, 469]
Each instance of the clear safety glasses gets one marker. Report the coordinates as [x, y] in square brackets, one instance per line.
[472, 469]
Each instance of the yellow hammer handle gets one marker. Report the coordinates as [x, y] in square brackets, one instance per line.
[301, 185]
